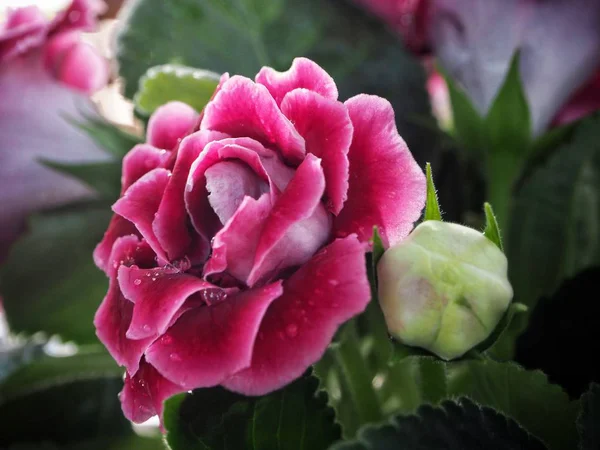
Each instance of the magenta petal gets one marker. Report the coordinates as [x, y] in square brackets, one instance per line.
[24, 29]
[326, 127]
[140, 203]
[117, 228]
[143, 395]
[140, 160]
[114, 314]
[234, 246]
[387, 187]
[304, 73]
[208, 344]
[245, 109]
[324, 293]
[169, 124]
[158, 294]
[81, 67]
[171, 223]
[81, 15]
[297, 226]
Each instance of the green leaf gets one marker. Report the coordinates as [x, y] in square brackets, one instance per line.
[63, 401]
[378, 248]
[454, 425]
[588, 422]
[104, 178]
[241, 36]
[295, 417]
[492, 230]
[108, 136]
[170, 82]
[508, 122]
[432, 207]
[49, 281]
[553, 233]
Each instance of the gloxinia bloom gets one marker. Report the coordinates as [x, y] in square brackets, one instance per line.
[238, 245]
[46, 74]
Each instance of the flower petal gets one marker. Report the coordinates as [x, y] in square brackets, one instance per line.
[169, 124]
[387, 187]
[296, 330]
[303, 73]
[171, 222]
[140, 203]
[297, 226]
[25, 28]
[114, 314]
[118, 227]
[81, 67]
[245, 109]
[158, 294]
[208, 344]
[81, 15]
[326, 127]
[143, 394]
[140, 160]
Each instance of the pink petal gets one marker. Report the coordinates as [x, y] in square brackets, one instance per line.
[204, 219]
[81, 15]
[326, 127]
[297, 226]
[387, 187]
[81, 67]
[171, 222]
[324, 293]
[208, 344]
[222, 81]
[304, 73]
[228, 182]
[140, 203]
[118, 227]
[169, 124]
[234, 247]
[245, 109]
[140, 160]
[585, 101]
[158, 294]
[143, 395]
[114, 314]
[24, 29]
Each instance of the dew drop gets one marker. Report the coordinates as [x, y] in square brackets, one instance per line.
[146, 328]
[291, 330]
[334, 282]
[137, 281]
[175, 357]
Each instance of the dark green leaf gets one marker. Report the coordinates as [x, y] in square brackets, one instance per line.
[104, 178]
[108, 136]
[492, 230]
[454, 425]
[295, 417]
[508, 122]
[49, 281]
[588, 422]
[355, 49]
[553, 233]
[432, 207]
[169, 82]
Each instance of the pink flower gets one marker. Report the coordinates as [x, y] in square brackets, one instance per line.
[46, 74]
[238, 244]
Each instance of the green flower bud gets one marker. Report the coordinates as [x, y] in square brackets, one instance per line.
[444, 288]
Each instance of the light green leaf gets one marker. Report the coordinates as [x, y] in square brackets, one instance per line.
[432, 207]
[492, 230]
[171, 82]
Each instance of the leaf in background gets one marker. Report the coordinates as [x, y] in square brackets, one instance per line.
[453, 425]
[103, 178]
[432, 207]
[162, 84]
[49, 281]
[355, 49]
[553, 233]
[588, 422]
[295, 417]
[492, 230]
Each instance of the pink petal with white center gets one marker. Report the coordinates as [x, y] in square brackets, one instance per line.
[171, 222]
[326, 127]
[140, 202]
[234, 247]
[297, 226]
[114, 314]
[387, 187]
[247, 151]
[243, 108]
[169, 124]
[303, 73]
[143, 394]
[208, 344]
[158, 294]
[297, 328]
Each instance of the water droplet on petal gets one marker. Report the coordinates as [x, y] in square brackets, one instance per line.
[334, 282]
[146, 328]
[137, 281]
[175, 357]
[291, 330]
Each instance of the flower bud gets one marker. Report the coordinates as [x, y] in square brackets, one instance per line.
[444, 288]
